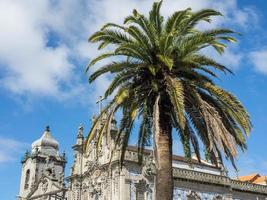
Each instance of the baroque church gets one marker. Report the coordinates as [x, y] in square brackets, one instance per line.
[99, 177]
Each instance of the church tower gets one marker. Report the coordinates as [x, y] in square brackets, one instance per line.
[43, 160]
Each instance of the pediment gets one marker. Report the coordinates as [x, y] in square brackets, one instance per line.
[45, 186]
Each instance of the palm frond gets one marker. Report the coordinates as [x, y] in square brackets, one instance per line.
[144, 24]
[99, 58]
[113, 36]
[118, 81]
[176, 95]
[201, 15]
[112, 68]
[235, 107]
[96, 125]
[174, 21]
[155, 18]
[112, 25]
[144, 133]
[139, 36]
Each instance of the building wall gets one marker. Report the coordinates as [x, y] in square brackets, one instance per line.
[102, 178]
[31, 166]
[241, 195]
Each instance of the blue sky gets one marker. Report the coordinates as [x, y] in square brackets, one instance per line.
[44, 51]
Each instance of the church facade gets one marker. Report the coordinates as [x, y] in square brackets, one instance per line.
[95, 175]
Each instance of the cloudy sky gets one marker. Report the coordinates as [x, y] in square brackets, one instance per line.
[44, 51]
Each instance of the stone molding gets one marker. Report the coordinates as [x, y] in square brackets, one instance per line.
[218, 180]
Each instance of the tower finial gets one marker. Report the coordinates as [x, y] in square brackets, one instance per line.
[80, 131]
[47, 128]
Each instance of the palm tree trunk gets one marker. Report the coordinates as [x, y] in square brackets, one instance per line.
[163, 156]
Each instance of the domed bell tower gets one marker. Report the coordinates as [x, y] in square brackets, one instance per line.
[44, 158]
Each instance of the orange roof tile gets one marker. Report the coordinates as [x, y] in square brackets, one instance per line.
[262, 179]
[249, 178]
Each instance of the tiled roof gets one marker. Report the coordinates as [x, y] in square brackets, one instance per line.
[254, 178]
[249, 178]
[262, 179]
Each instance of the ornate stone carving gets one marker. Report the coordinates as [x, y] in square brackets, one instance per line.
[33, 184]
[91, 165]
[84, 187]
[104, 180]
[44, 185]
[44, 197]
[94, 189]
[218, 197]
[61, 178]
[149, 167]
[192, 195]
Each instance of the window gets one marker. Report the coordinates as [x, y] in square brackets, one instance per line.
[27, 179]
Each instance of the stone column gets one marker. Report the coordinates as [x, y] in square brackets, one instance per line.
[122, 187]
[115, 184]
[133, 191]
[127, 190]
[140, 191]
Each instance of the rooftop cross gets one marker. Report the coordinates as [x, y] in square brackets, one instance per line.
[99, 102]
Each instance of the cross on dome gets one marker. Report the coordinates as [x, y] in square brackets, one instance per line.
[46, 140]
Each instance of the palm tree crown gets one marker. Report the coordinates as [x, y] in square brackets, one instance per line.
[162, 68]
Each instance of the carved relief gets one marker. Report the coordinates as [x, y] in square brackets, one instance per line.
[149, 167]
[44, 186]
[94, 190]
[44, 197]
[91, 165]
[105, 180]
[218, 197]
[192, 195]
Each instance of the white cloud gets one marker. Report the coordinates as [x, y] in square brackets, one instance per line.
[259, 60]
[231, 58]
[9, 149]
[31, 67]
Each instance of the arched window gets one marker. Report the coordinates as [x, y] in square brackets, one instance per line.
[27, 179]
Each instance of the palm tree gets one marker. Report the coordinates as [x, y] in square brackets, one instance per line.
[163, 77]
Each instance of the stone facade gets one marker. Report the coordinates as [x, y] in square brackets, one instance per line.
[96, 175]
[100, 176]
[43, 170]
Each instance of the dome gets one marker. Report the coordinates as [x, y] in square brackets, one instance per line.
[46, 140]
